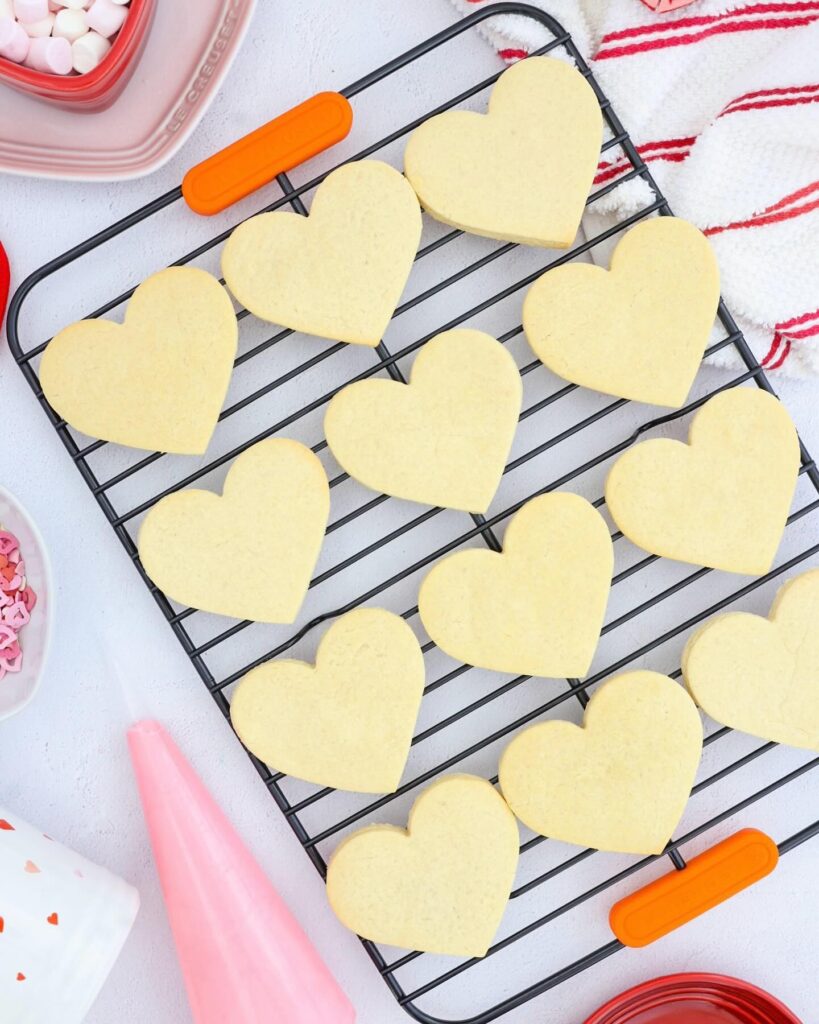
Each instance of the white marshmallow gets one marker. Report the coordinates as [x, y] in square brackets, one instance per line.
[74, 5]
[28, 11]
[6, 9]
[106, 17]
[70, 25]
[88, 51]
[50, 55]
[39, 29]
[121, 3]
[14, 43]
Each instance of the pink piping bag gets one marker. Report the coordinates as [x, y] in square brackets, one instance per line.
[244, 957]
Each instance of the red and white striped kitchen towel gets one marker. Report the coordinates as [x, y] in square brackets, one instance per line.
[722, 101]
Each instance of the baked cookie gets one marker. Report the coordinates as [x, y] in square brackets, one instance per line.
[442, 440]
[637, 330]
[522, 171]
[536, 608]
[346, 721]
[620, 781]
[249, 552]
[439, 886]
[761, 675]
[338, 273]
[721, 500]
[156, 381]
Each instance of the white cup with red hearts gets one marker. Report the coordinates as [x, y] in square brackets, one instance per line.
[63, 923]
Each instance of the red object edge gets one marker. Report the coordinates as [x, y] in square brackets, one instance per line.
[5, 280]
[674, 994]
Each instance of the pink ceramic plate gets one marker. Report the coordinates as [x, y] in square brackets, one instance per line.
[188, 52]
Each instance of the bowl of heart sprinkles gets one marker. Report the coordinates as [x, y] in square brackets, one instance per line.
[25, 613]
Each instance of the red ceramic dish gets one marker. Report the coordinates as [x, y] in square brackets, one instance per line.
[100, 87]
[5, 277]
[694, 999]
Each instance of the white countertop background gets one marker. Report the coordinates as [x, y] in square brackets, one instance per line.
[63, 761]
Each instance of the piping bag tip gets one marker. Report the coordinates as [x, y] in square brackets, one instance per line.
[243, 955]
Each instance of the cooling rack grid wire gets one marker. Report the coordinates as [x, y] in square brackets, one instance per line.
[378, 548]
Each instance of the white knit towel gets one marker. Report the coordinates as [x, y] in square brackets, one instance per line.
[722, 101]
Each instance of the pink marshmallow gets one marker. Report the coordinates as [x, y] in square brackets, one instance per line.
[106, 18]
[28, 11]
[50, 55]
[39, 29]
[14, 43]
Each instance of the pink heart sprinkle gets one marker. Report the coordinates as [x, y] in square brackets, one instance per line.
[8, 542]
[16, 615]
[8, 637]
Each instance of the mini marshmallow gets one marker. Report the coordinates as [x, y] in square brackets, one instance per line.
[74, 5]
[28, 11]
[70, 25]
[39, 29]
[88, 51]
[106, 17]
[6, 9]
[14, 43]
[50, 55]
[120, 3]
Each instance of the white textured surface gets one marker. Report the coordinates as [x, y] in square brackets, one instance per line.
[63, 762]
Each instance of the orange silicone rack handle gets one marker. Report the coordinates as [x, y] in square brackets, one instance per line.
[253, 161]
[707, 880]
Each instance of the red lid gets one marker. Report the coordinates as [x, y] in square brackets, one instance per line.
[4, 282]
[694, 999]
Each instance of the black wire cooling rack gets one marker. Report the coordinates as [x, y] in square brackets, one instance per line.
[377, 548]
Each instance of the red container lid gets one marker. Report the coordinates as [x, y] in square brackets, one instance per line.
[694, 999]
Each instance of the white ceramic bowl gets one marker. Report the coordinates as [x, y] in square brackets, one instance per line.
[17, 688]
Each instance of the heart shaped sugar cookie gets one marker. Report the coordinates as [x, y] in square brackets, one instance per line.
[442, 440]
[638, 330]
[761, 675]
[721, 500]
[157, 380]
[346, 721]
[522, 171]
[536, 608]
[249, 552]
[338, 273]
[441, 885]
[619, 782]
